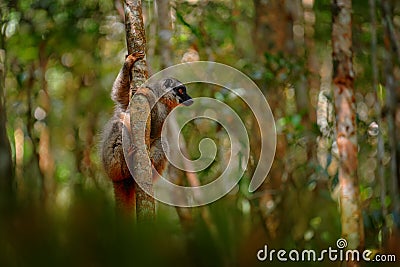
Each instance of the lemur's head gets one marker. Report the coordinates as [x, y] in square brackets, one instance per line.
[175, 92]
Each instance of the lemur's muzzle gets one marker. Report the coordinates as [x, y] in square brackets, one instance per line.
[188, 102]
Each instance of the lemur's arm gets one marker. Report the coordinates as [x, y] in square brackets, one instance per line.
[120, 92]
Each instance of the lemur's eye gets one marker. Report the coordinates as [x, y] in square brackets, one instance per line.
[180, 91]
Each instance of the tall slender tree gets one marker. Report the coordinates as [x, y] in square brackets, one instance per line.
[377, 106]
[391, 46]
[345, 107]
[6, 166]
[136, 42]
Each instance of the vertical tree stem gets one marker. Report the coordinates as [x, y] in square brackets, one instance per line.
[391, 45]
[136, 42]
[380, 149]
[343, 78]
[6, 166]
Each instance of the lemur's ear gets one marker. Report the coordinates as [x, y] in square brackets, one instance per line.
[168, 83]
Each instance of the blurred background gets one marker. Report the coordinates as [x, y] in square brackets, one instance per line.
[59, 60]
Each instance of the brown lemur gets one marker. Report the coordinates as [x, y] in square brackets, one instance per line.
[171, 93]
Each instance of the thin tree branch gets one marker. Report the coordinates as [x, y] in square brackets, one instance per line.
[139, 107]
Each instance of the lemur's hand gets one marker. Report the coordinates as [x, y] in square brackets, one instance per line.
[132, 58]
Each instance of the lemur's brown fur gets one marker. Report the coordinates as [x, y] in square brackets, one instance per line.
[171, 93]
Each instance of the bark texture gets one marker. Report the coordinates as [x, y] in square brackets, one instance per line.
[142, 170]
[139, 111]
[136, 40]
[343, 78]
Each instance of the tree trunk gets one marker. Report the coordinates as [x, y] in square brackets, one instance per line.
[6, 166]
[46, 161]
[391, 45]
[272, 32]
[343, 78]
[139, 160]
[164, 33]
[313, 61]
[380, 171]
[136, 42]
[390, 28]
